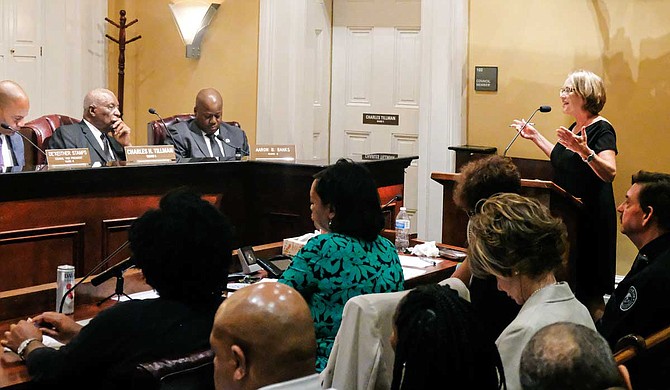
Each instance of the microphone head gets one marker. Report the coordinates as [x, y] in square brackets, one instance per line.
[398, 197]
[545, 108]
[5, 126]
[152, 111]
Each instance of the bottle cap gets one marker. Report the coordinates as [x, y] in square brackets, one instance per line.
[403, 209]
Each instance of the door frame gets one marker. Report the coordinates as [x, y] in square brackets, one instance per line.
[284, 109]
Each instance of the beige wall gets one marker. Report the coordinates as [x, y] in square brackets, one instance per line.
[159, 75]
[536, 43]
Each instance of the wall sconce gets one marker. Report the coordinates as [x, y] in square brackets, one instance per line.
[192, 18]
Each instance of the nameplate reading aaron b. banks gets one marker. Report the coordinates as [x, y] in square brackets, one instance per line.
[68, 158]
[150, 154]
[273, 152]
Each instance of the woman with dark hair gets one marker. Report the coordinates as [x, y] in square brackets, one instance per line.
[517, 240]
[439, 343]
[350, 258]
[584, 161]
[184, 251]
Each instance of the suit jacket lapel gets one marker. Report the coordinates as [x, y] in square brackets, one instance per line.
[228, 150]
[198, 138]
[93, 142]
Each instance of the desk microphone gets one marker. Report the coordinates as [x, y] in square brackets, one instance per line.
[115, 270]
[395, 198]
[541, 109]
[91, 272]
[239, 152]
[8, 127]
[169, 133]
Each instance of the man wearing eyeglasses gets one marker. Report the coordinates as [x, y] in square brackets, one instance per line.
[102, 130]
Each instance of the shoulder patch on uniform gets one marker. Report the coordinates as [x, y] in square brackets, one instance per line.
[629, 299]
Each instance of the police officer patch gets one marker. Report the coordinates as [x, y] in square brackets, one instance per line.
[629, 299]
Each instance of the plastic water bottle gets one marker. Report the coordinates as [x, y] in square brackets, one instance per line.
[402, 230]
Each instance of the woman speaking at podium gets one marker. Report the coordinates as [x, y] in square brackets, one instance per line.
[350, 258]
[584, 161]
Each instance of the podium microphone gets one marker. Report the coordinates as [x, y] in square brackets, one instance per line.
[169, 133]
[541, 109]
[8, 127]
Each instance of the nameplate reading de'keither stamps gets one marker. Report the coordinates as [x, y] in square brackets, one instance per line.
[381, 119]
[150, 154]
[68, 158]
[273, 152]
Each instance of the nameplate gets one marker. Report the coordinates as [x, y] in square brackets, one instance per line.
[273, 152]
[381, 119]
[379, 156]
[68, 158]
[150, 154]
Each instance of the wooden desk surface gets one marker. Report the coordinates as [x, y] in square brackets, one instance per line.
[14, 374]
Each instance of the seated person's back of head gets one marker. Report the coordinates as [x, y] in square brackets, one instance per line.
[184, 251]
[439, 344]
[264, 335]
[566, 355]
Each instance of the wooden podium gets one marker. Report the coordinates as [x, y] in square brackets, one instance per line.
[560, 203]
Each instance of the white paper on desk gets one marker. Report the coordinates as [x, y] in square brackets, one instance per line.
[409, 273]
[151, 294]
[418, 262]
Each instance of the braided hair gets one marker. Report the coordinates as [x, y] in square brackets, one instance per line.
[440, 343]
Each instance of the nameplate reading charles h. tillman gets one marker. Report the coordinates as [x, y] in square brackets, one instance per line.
[149, 154]
[68, 158]
[380, 119]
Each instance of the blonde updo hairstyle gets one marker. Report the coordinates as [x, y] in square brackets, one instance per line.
[514, 235]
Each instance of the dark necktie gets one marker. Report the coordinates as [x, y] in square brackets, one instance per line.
[106, 149]
[216, 149]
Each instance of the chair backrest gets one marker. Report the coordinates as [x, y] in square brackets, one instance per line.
[362, 356]
[190, 372]
[156, 132]
[39, 131]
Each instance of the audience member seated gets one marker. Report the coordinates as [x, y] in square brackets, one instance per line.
[517, 240]
[439, 343]
[480, 179]
[263, 338]
[207, 135]
[183, 249]
[14, 107]
[565, 355]
[350, 258]
[102, 130]
[362, 355]
[640, 303]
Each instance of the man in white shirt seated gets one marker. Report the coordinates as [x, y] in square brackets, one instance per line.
[263, 338]
[14, 107]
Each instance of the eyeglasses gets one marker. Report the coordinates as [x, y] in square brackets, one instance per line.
[567, 90]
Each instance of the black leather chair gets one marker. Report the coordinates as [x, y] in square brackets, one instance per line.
[191, 372]
[39, 131]
[156, 132]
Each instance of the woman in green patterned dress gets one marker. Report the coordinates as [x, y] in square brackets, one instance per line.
[350, 258]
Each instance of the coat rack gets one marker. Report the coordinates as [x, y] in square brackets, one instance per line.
[122, 42]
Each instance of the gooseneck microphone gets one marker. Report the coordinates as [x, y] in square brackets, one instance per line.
[395, 198]
[540, 109]
[169, 133]
[8, 127]
[91, 272]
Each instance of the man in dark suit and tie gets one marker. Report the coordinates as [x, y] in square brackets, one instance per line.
[207, 135]
[102, 130]
[14, 107]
